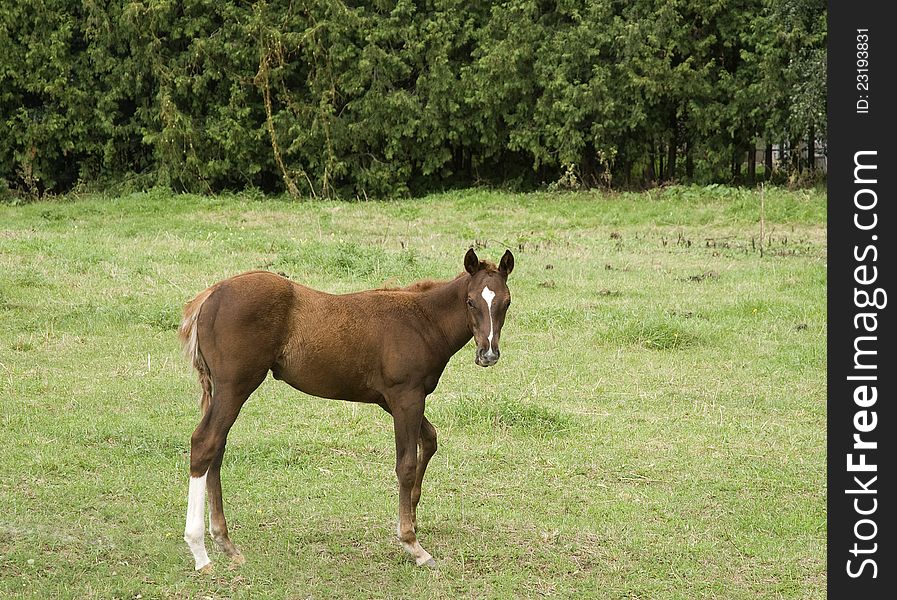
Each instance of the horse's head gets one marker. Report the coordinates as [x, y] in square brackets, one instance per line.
[488, 299]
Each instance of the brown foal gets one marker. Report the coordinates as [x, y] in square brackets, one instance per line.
[385, 346]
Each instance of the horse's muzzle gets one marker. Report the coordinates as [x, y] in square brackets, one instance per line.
[487, 358]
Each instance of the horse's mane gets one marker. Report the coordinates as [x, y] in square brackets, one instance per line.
[428, 284]
[421, 286]
[488, 266]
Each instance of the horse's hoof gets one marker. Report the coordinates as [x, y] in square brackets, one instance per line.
[206, 570]
[429, 563]
[237, 560]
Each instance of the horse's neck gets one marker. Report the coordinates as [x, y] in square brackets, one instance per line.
[445, 304]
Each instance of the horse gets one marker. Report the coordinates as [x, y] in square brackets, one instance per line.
[386, 346]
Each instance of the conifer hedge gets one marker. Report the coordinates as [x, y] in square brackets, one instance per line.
[390, 97]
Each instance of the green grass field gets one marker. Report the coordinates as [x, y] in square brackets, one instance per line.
[654, 429]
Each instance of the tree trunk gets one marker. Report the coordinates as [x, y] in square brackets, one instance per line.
[589, 167]
[768, 161]
[752, 163]
[673, 148]
[736, 163]
[811, 149]
[794, 155]
[671, 154]
[622, 167]
[689, 162]
[652, 176]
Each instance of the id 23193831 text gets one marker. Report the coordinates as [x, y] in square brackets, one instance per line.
[862, 71]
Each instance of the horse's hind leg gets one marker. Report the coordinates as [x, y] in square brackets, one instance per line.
[217, 522]
[206, 452]
[194, 529]
[427, 450]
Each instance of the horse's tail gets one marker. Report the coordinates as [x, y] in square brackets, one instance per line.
[187, 334]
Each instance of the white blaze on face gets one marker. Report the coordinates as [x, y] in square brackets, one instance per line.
[488, 296]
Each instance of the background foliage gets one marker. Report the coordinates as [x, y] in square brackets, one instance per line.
[389, 97]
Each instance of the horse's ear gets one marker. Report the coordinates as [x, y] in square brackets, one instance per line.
[471, 262]
[507, 263]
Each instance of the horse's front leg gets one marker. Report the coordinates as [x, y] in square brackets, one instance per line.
[407, 413]
[427, 450]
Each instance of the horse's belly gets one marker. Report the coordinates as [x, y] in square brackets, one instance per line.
[338, 382]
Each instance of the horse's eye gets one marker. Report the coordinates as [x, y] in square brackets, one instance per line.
[470, 303]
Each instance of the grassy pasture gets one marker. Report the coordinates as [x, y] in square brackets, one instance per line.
[654, 429]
